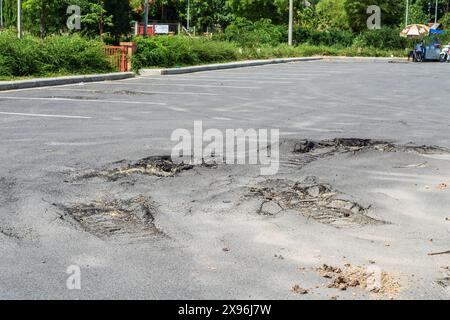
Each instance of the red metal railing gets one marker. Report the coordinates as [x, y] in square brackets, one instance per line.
[118, 57]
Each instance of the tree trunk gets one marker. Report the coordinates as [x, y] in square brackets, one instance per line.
[100, 27]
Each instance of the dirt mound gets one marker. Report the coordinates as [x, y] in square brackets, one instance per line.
[371, 279]
[313, 200]
[133, 218]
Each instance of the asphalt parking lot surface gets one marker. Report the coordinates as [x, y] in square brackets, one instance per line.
[73, 190]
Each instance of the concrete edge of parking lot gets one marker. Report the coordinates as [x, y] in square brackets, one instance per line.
[253, 63]
[57, 81]
[370, 59]
[222, 66]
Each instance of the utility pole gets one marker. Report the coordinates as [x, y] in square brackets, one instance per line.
[291, 21]
[1, 14]
[188, 25]
[436, 13]
[19, 17]
[407, 13]
[446, 22]
[145, 18]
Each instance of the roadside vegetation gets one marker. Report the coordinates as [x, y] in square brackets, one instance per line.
[54, 55]
[166, 51]
[221, 30]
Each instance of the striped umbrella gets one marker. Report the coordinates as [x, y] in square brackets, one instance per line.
[415, 31]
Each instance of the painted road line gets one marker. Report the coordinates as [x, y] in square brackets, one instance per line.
[244, 78]
[82, 100]
[150, 83]
[218, 79]
[289, 76]
[44, 115]
[138, 92]
[297, 72]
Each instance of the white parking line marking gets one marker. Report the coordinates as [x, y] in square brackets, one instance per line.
[82, 100]
[141, 92]
[298, 73]
[44, 115]
[149, 83]
[218, 79]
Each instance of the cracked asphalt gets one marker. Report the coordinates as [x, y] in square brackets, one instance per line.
[209, 237]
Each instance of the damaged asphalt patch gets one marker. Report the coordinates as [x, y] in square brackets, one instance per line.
[345, 145]
[112, 219]
[160, 166]
[301, 152]
[313, 200]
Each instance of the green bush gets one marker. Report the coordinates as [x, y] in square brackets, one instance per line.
[74, 54]
[253, 34]
[170, 51]
[331, 37]
[19, 58]
[256, 34]
[177, 51]
[32, 56]
[384, 38]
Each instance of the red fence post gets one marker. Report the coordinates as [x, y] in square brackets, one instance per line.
[129, 48]
[120, 56]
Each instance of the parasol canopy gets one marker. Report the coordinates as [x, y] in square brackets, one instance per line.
[415, 31]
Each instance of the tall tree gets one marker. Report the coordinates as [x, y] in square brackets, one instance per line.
[259, 9]
[392, 12]
[98, 16]
[120, 11]
[41, 16]
[9, 13]
[207, 13]
[332, 14]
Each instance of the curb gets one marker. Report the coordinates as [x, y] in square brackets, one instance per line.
[222, 66]
[370, 59]
[48, 82]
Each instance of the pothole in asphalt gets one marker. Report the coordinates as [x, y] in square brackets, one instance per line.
[132, 218]
[313, 200]
[160, 166]
[344, 145]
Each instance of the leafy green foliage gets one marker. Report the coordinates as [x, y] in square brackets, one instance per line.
[253, 34]
[328, 37]
[180, 51]
[332, 14]
[98, 16]
[120, 12]
[166, 51]
[386, 37]
[31, 56]
[392, 12]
